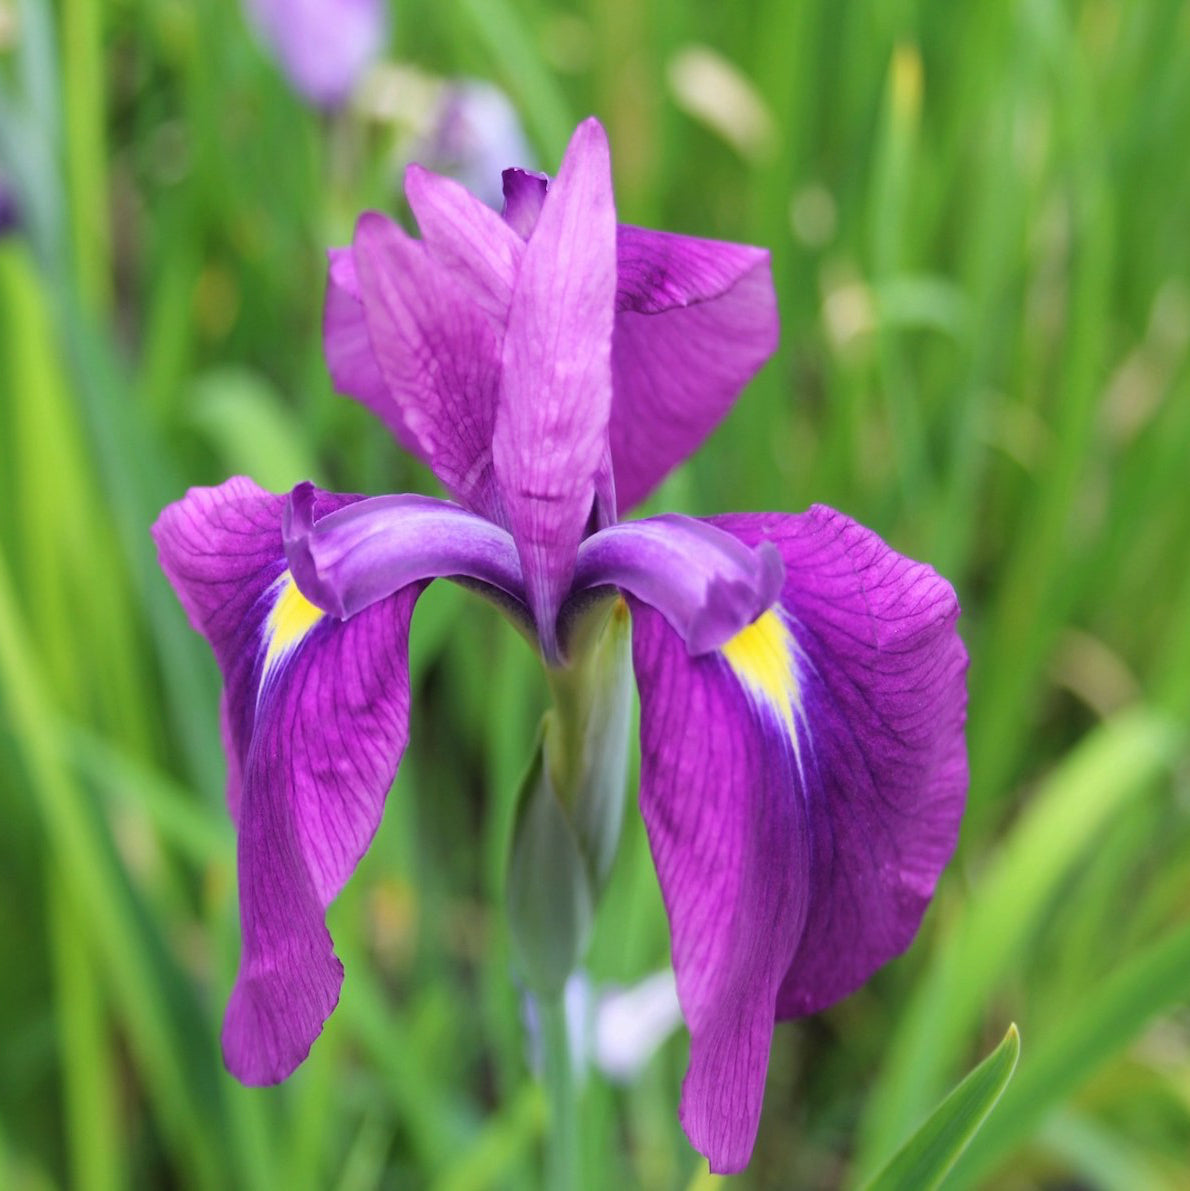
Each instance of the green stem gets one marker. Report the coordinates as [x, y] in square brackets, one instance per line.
[562, 1165]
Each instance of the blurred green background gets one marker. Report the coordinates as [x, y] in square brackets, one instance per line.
[978, 215]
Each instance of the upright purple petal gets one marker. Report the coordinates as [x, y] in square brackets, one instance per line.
[468, 238]
[802, 789]
[524, 194]
[555, 398]
[348, 348]
[695, 319]
[438, 355]
[324, 46]
[316, 715]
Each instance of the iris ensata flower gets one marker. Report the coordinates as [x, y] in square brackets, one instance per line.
[801, 685]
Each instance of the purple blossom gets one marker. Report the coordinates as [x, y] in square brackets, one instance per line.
[474, 130]
[802, 685]
[324, 46]
[10, 215]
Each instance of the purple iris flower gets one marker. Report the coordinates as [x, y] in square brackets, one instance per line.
[323, 46]
[801, 684]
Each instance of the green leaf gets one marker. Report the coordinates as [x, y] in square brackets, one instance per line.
[922, 1163]
[1110, 1016]
[993, 933]
[246, 421]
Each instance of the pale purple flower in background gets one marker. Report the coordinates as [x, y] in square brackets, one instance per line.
[475, 132]
[803, 769]
[615, 1028]
[323, 46]
[631, 1023]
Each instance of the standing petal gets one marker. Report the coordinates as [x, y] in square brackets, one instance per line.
[438, 356]
[467, 237]
[348, 349]
[695, 319]
[802, 789]
[316, 715]
[524, 194]
[555, 397]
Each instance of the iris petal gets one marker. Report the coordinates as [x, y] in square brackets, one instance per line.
[348, 348]
[316, 719]
[550, 435]
[705, 583]
[438, 355]
[352, 558]
[802, 788]
[524, 193]
[695, 319]
[323, 46]
[467, 237]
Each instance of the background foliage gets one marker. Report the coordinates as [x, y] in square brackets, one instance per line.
[977, 215]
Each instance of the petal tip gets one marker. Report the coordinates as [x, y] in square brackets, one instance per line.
[263, 1041]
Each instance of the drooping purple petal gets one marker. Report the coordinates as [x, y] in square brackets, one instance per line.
[438, 356]
[885, 711]
[695, 319]
[316, 715]
[524, 194]
[802, 789]
[555, 397]
[362, 553]
[703, 580]
[324, 46]
[729, 841]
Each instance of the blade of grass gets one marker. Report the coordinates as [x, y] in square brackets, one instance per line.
[986, 939]
[86, 149]
[923, 1162]
[202, 834]
[84, 1052]
[1031, 599]
[504, 1141]
[165, 1046]
[500, 27]
[1105, 1021]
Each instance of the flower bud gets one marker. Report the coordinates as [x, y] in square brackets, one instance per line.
[571, 803]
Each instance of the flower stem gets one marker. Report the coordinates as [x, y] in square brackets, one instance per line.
[563, 1169]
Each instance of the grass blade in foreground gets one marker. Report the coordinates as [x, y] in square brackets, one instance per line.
[930, 1153]
[1112, 1015]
